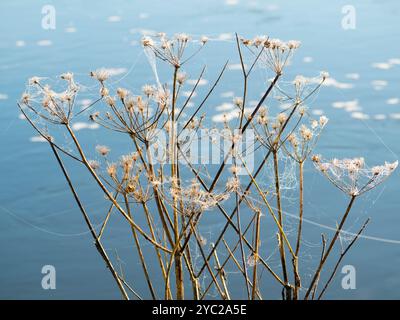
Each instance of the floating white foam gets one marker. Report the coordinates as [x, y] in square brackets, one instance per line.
[225, 36]
[359, 116]
[20, 43]
[379, 84]
[231, 2]
[317, 112]
[115, 71]
[308, 59]
[386, 65]
[331, 82]
[235, 66]
[382, 65]
[85, 102]
[144, 32]
[202, 82]
[380, 116]
[225, 107]
[228, 116]
[227, 94]
[222, 117]
[393, 101]
[143, 15]
[272, 7]
[395, 116]
[3, 96]
[70, 30]
[353, 76]
[394, 61]
[85, 125]
[349, 106]
[114, 19]
[44, 43]
[37, 139]
[188, 93]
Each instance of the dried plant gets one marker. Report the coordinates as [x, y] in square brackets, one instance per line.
[164, 196]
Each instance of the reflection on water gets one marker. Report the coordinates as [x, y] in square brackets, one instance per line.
[39, 222]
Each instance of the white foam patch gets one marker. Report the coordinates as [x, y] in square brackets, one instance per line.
[143, 15]
[393, 101]
[379, 116]
[44, 43]
[272, 7]
[225, 107]
[70, 30]
[394, 61]
[20, 43]
[115, 71]
[308, 59]
[235, 66]
[225, 36]
[188, 93]
[227, 94]
[353, 76]
[331, 82]
[222, 117]
[231, 2]
[143, 32]
[382, 65]
[202, 82]
[85, 125]
[395, 116]
[349, 106]
[85, 102]
[379, 84]
[359, 116]
[37, 139]
[228, 116]
[114, 19]
[3, 96]
[317, 112]
[386, 65]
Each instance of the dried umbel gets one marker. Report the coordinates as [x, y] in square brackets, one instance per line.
[54, 107]
[270, 133]
[352, 176]
[275, 53]
[194, 200]
[127, 177]
[171, 50]
[300, 89]
[100, 75]
[138, 116]
[302, 143]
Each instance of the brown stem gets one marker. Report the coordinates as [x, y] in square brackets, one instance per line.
[279, 207]
[256, 254]
[328, 251]
[98, 243]
[295, 260]
[341, 258]
[140, 252]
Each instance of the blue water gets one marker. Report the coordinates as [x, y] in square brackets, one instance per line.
[39, 222]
